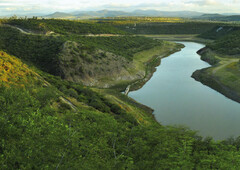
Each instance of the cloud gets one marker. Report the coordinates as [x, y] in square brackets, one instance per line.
[205, 3]
[9, 7]
[236, 1]
[143, 6]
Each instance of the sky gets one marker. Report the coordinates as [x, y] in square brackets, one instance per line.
[21, 7]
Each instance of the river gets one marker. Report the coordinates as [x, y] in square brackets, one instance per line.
[177, 99]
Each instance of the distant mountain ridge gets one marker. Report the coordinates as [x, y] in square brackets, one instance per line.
[110, 13]
[59, 15]
[140, 13]
[219, 17]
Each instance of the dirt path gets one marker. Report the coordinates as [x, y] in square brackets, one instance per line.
[69, 103]
[21, 30]
[224, 65]
[65, 100]
[28, 32]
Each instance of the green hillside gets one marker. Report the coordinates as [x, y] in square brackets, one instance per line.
[43, 127]
[45, 51]
[228, 44]
[219, 31]
[48, 122]
[224, 55]
[159, 25]
[218, 17]
[64, 26]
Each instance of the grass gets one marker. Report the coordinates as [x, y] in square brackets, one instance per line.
[133, 108]
[144, 64]
[14, 72]
[141, 58]
[228, 74]
[223, 76]
[178, 37]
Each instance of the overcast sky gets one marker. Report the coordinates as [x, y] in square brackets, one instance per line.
[10, 7]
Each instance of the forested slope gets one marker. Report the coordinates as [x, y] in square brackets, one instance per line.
[41, 130]
[64, 26]
[50, 123]
[224, 55]
[94, 57]
[158, 25]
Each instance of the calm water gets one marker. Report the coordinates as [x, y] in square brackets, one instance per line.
[180, 100]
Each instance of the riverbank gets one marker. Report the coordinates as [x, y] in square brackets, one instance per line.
[146, 62]
[178, 99]
[223, 76]
[179, 37]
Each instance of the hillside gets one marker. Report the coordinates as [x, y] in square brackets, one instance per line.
[60, 15]
[219, 17]
[228, 44]
[219, 31]
[64, 26]
[50, 120]
[14, 72]
[226, 38]
[65, 125]
[159, 25]
[93, 60]
[224, 55]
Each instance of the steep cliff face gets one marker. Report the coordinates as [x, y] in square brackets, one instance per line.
[94, 67]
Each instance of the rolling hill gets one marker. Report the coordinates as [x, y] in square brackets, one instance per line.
[110, 13]
[219, 17]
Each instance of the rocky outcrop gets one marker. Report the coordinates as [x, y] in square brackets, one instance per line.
[94, 67]
[207, 56]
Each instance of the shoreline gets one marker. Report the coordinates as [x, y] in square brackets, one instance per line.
[202, 75]
[151, 65]
[178, 37]
[150, 69]
[207, 78]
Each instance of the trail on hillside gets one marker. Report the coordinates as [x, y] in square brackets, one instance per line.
[224, 65]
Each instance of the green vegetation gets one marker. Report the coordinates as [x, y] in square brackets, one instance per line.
[37, 49]
[178, 37]
[223, 76]
[50, 123]
[64, 26]
[168, 28]
[152, 25]
[126, 46]
[228, 44]
[137, 20]
[224, 55]
[39, 130]
[84, 53]
[219, 31]
[43, 50]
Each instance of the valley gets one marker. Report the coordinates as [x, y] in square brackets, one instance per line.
[61, 101]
